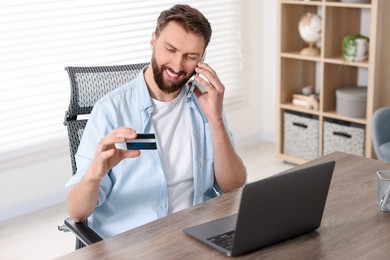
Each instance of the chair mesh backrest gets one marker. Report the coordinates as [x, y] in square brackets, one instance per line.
[88, 85]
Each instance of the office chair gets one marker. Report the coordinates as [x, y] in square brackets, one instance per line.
[381, 133]
[88, 85]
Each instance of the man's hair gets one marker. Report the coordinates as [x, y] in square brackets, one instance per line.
[189, 18]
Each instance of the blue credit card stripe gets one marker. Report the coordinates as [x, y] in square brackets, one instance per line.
[141, 146]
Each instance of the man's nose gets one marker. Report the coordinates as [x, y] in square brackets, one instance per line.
[177, 63]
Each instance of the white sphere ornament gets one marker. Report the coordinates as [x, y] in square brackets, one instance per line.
[310, 31]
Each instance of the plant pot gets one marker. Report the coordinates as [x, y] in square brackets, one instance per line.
[355, 47]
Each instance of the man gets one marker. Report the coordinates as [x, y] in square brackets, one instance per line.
[118, 189]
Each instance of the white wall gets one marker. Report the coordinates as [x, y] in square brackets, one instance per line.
[245, 121]
[33, 182]
[268, 72]
[36, 181]
[259, 32]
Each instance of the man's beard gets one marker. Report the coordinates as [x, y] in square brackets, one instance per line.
[166, 87]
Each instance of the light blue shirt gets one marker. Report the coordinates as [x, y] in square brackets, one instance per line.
[135, 191]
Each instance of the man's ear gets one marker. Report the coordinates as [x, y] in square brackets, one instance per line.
[153, 41]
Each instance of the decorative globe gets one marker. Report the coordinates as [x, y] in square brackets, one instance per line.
[310, 31]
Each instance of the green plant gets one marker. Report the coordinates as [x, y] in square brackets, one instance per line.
[349, 45]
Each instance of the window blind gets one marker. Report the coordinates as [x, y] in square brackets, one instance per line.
[39, 38]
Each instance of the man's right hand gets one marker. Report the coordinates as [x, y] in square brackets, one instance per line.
[108, 155]
[82, 197]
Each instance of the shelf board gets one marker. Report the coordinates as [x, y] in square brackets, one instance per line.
[298, 56]
[333, 60]
[341, 61]
[291, 159]
[334, 115]
[298, 2]
[349, 5]
[328, 114]
[331, 4]
[290, 106]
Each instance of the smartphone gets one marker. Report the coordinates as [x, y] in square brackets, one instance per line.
[191, 90]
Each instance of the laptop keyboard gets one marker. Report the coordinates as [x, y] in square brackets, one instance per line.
[224, 240]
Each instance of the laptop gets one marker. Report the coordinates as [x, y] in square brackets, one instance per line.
[271, 210]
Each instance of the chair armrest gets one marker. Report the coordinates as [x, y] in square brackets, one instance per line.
[82, 231]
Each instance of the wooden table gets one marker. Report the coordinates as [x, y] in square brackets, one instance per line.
[352, 226]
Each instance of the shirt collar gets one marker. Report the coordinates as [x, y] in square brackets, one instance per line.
[143, 95]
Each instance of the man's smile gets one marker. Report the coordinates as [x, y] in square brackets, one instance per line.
[172, 75]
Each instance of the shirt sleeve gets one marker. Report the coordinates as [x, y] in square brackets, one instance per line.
[97, 127]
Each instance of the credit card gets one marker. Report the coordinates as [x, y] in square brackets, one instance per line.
[142, 142]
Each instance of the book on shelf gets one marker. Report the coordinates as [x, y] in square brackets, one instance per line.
[306, 101]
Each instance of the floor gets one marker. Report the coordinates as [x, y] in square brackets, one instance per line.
[35, 236]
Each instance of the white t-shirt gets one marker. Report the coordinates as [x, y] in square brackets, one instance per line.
[172, 125]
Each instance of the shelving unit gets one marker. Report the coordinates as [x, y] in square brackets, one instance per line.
[329, 71]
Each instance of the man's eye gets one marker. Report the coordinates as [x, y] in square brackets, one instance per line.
[191, 57]
[170, 50]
